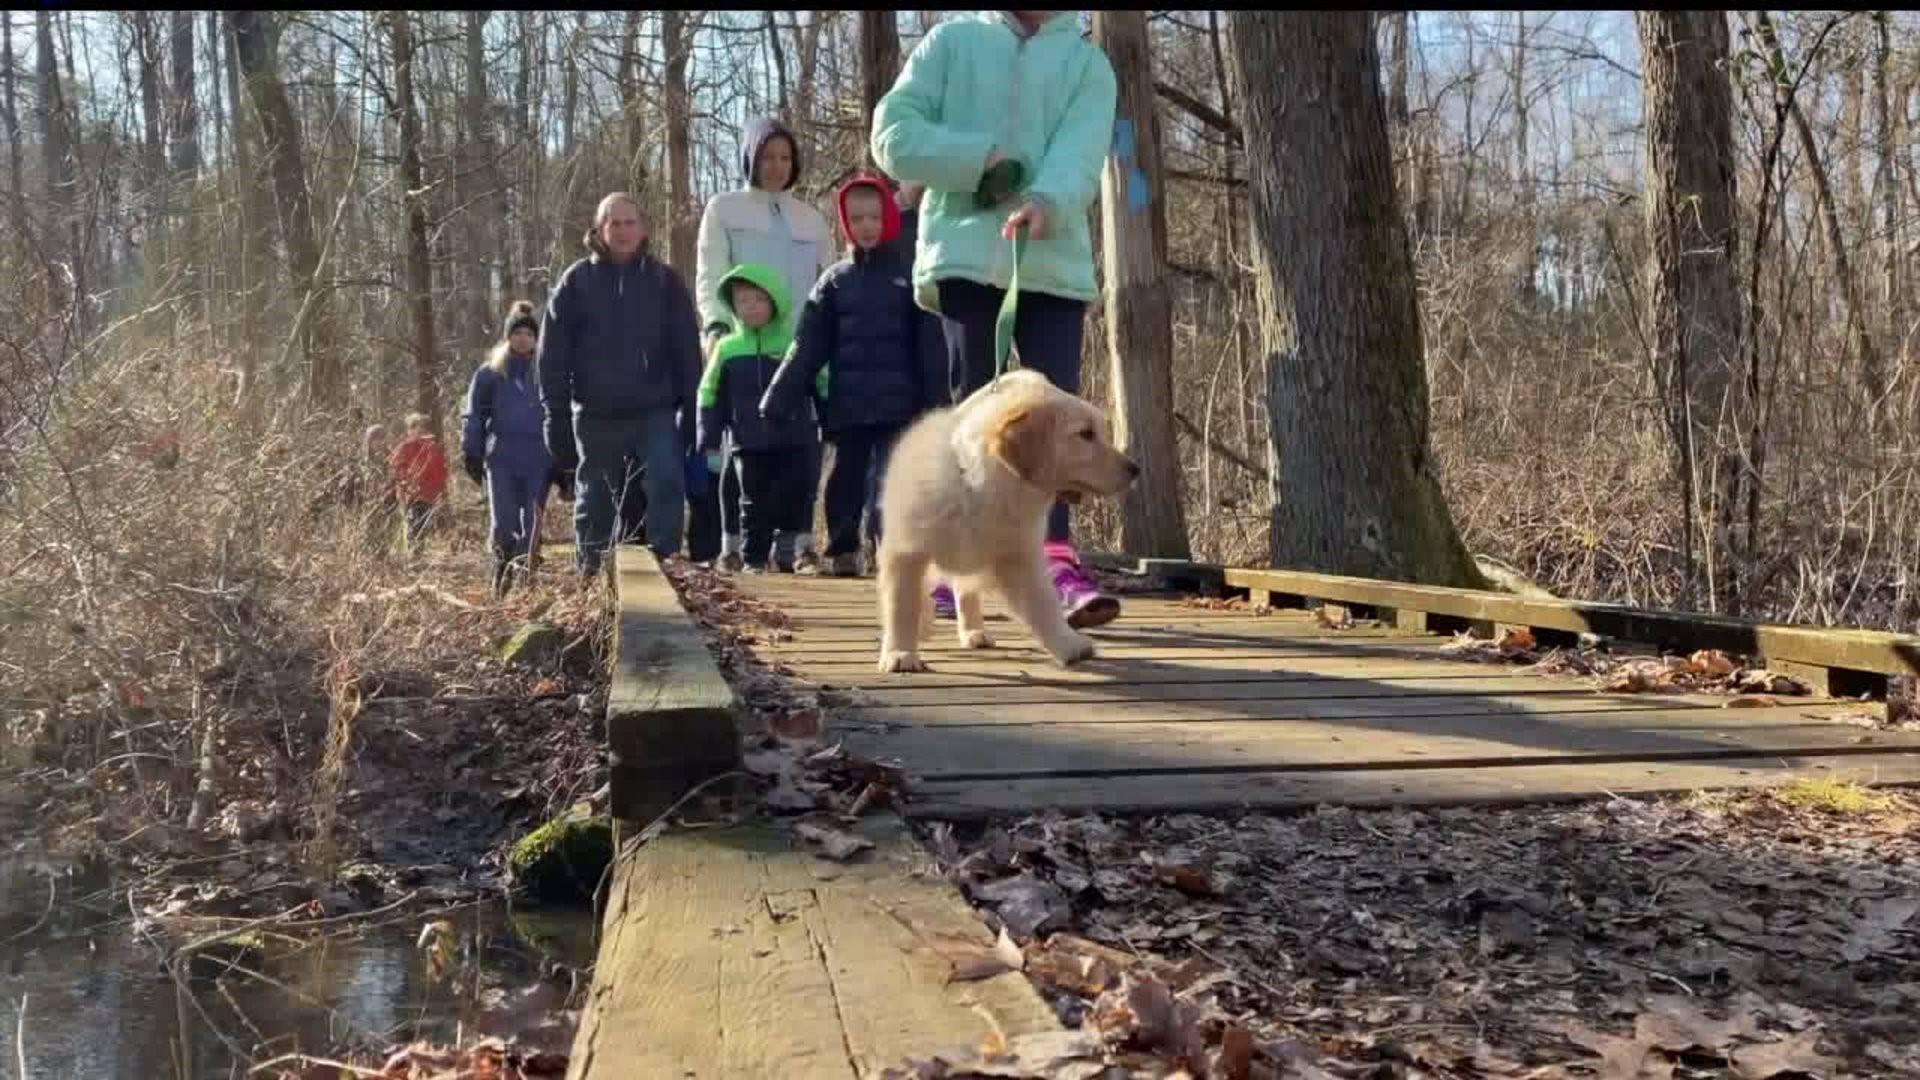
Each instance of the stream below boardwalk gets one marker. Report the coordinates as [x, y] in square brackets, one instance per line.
[100, 1003]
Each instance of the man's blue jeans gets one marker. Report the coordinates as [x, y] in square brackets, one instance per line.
[610, 448]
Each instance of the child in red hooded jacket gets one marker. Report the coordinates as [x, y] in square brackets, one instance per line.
[873, 360]
[418, 475]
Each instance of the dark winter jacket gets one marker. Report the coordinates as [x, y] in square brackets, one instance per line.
[742, 368]
[618, 340]
[874, 358]
[871, 355]
[502, 421]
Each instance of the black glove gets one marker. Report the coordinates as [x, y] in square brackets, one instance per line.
[563, 479]
[476, 468]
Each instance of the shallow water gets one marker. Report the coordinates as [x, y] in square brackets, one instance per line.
[100, 1005]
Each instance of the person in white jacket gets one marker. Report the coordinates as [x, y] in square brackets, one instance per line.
[763, 222]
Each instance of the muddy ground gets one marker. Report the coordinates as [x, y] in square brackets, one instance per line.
[1758, 935]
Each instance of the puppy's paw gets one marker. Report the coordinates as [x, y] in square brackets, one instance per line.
[900, 661]
[975, 639]
[1074, 648]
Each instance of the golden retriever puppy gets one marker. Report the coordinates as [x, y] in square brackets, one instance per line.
[966, 496]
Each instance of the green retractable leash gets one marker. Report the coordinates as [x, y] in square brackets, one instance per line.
[1009, 309]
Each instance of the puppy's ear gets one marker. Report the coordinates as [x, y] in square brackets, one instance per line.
[1023, 438]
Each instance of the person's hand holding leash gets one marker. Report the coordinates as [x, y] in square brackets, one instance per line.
[1032, 214]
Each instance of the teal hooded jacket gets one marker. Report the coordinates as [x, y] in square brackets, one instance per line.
[977, 83]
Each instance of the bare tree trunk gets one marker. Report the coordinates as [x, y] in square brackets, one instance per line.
[1887, 183]
[1692, 304]
[532, 151]
[63, 241]
[486, 209]
[806, 79]
[1523, 164]
[879, 66]
[779, 54]
[183, 152]
[1354, 491]
[286, 161]
[676, 31]
[16, 178]
[1139, 320]
[256, 212]
[426, 384]
[633, 107]
[1872, 372]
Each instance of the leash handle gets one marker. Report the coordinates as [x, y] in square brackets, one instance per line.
[1009, 308]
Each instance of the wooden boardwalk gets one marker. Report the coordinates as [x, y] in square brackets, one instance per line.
[1190, 708]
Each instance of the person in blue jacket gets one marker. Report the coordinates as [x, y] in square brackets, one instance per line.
[1006, 117]
[875, 360]
[619, 368]
[773, 454]
[502, 447]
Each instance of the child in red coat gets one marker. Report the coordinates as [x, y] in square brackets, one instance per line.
[417, 475]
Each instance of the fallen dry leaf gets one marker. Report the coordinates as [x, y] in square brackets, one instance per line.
[835, 844]
[1712, 662]
[1793, 1056]
[1235, 1059]
[1517, 639]
[1752, 701]
[795, 725]
[1187, 878]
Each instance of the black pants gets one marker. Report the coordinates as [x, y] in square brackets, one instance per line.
[1047, 332]
[773, 498]
[853, 485]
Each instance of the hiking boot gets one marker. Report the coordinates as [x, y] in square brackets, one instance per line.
[1080, 595]
[730, 563]
[502, 577]
[806, 563]
[755, 568]
[847, 565]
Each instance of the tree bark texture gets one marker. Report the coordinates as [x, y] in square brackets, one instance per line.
[1354, 491]
[1693, 312]
[286, 163]
[683, 221]
[1133, 239]
[426, 387]
[879, 66]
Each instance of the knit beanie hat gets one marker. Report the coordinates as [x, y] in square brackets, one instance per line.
[520, 317]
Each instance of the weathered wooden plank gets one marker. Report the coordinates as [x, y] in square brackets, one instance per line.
[1215, 793]
[988, 693]
[1846, 649]
[961, 670]
[1464, 740]
[727, 953]
[1214, 710]
[670, 713]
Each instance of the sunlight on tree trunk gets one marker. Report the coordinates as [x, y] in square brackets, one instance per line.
[1354, 489]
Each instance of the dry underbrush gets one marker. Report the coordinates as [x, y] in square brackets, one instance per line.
[210, 639]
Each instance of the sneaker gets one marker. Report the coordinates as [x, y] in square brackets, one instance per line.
[943, 601]
[1080, 595]
[847, 565]
[731, 562]
[755, 568]
[806, 563]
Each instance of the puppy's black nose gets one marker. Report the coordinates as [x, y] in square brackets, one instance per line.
[1133, 468]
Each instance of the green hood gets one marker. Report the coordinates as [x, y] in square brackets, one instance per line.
[772, 339]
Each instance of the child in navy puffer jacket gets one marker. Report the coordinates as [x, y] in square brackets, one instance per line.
[876, 360]
[502, 446]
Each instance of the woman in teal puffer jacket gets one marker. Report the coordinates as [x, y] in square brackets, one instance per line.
[1016, 100]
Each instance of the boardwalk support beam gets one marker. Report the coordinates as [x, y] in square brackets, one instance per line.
[1838, 662]
[671, 715]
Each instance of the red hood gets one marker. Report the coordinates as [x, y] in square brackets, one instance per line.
[889, 211]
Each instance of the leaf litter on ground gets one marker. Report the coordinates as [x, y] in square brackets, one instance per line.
[1707, 936]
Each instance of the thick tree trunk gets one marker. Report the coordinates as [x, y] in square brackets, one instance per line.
[1354, 491]
[1692, 304]
[683, 222]
[1133, 239]
[280, 132]
[633, 107]
[426, 384]
[879, 66]
[1523, 166]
